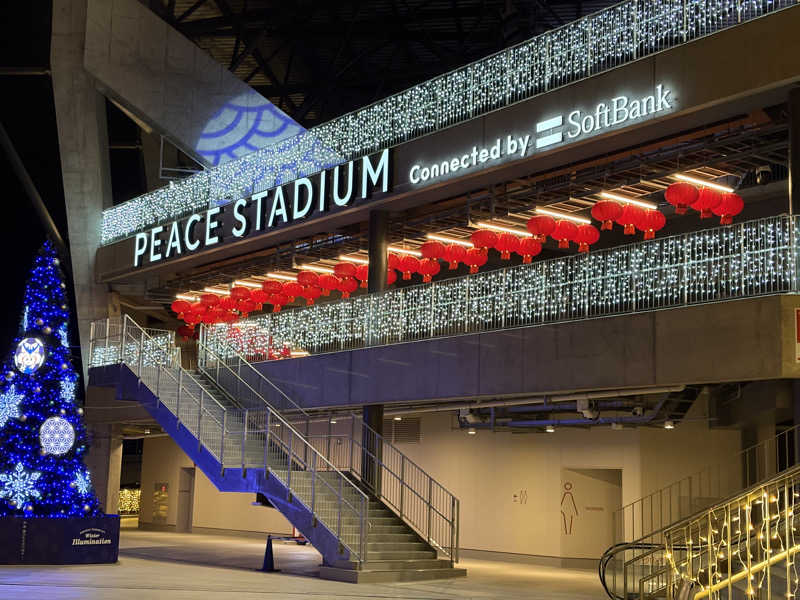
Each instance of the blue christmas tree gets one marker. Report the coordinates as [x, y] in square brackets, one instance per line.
[43, 441]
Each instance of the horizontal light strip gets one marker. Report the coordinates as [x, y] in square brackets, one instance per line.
[703, 182]
[316, 268]
[299, 353]
[504, 229]
[354, 259]
[642, 203]
[282, 276]
[549, 140]
[249, 284]
[187, 297]
[216, 291]
[404, 251]
[549, 124]
[558, 215]
[447, 240]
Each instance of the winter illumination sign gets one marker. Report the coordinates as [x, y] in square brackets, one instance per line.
[30, 355]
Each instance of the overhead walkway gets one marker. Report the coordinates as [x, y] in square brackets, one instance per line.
[371, 512]
[725, 532]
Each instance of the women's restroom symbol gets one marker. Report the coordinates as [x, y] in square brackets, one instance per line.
[569, 510]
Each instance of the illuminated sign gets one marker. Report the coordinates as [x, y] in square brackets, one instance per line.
[555, 129]
[300, 199]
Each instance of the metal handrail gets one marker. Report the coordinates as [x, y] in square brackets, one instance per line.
[318, 461]
[379, 440]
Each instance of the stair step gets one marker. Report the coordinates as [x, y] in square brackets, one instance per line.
[401, 555]
[388, 576]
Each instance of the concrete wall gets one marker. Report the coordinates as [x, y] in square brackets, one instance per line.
[486, 470]
[162, 461]
[728, 341]
[175, 86]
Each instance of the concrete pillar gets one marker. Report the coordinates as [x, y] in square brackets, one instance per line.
[794, 150]
[378, 243]
[104, 462]
[83, 144]
[372, 417]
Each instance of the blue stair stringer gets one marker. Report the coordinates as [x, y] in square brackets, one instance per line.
[130, 387]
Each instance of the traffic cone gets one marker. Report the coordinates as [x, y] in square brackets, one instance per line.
[269, 561]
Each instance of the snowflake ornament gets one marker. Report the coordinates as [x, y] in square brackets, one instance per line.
[83, 482]
[56, 436]
[19, 486]
[9, 405]
[63, 335]
[67, 390]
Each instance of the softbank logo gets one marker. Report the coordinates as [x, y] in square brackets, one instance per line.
[565, 127]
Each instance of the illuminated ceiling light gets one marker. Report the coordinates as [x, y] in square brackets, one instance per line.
[249, 284]
[669, 425]
[404, 251]
[550, 429]
[489, 225]
[354, 259]
[618, 198]
[558, 215]
[448, 240]
[471, 431]
[299, 353]
[187, 297]
[703, 182]
[333, 421]
[316, 268]
[398, 418]
[281, 276]
[216, 291]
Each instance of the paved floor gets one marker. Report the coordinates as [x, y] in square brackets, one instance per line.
[181, 567]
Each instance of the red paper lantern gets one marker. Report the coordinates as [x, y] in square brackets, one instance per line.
[185, 331]
[631, 214]
[564, 232]
[191, 318]
[277, 301]
[607, 211]
[681, 195]
[271, 286]
[311, 293]
[209, 300]
[528, 248]
[259, 297]
[347, 286]
[391, 276]
[227, 303]
[393, 261]
[730, 206]
[328, 282]
[454, 254]
[292, 289]
[429, 267]
[229, 317]
[432, 249]
[198, 308]
[240, 293]
[476, 258]
[362, 274]
[246, 306]
[180, 306]
[650, 222]
[307, 278]
[707, 200]
[409, 264]
[586, 235]
[541, 226]
[483, 238]
[506, 244]
[344, 269]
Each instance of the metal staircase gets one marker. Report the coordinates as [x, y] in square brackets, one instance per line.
[245, 435]
[711, 533]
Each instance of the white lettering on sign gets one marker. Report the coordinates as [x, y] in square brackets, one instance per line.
[278, 206]
[549, 132]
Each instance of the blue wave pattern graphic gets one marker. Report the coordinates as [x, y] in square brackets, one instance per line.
[241, 126]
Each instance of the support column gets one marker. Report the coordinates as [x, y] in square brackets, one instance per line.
[378, 243]
[104, 462]
[85, 170]
[794, 150]
[372, 417]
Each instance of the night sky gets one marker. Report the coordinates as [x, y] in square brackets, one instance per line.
[28, 115]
